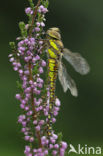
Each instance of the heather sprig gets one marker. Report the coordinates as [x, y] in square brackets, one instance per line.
[28, 59]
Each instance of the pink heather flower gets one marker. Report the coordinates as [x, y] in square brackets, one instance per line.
[27, 90]
[35, 122]
[24, 78]
[55, 136]
[37, 29]
[45, 10]
[52, 141]
[37, 57]
[40, 42]
[28, 11]
[47, 142]
[26, 41]
[27, 138]
[35, 84]
[53, 120]
[10, 55]
[24, 85]
[45, 113]
[37, 128]
[23, 130]
[50, 146]
[34, 150]
[28, 119]
[26, 133]
[40, 80]
[40, 108]
[40, 85]
[29, 154]
[38, 24]
[28, 52]
[26, 72]
[43, 140]
[19, 120]
[42, 24]
[22, 106]
[57, 102]
[43, 63]
[64, 145]
[24, 123]
[33, 60]
[21, 43]
[15, 68]
[38, 92]
[55, 113]
[29, 113]
[31, 139]
[27, 149]
[54, 152]
[26, 26]
[18, 96]
[37, 103]
[42, 9]
[26, 59]
[43, 143]
[56, 146]
[41, 70]
[11, 59]
[23, 102]
[48, 93]
[14, 63]
[37, 109]
[39, 150]
[62, 152]
[26, 108]
[39, 10]
[45, 152]
[18, 64]
[56, 109]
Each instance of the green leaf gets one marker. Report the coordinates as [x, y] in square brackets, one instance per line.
[35, 70]
[31, 3]
[19, 85]
[22, 28]
[60, 136]
[46, 3]
[66, 153]
[21, 25]
[12, 45]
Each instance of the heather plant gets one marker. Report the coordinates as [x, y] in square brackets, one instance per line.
[29, 60]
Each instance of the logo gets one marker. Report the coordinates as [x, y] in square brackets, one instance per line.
[85, 150]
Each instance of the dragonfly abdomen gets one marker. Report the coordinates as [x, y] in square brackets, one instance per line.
[52, 73]
[53, 53]
[53, 69]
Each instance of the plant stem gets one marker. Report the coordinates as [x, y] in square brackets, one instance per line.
[33, 18]
[30, 71]
[33, 107]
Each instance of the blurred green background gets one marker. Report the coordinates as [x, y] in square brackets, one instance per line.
[80, 119]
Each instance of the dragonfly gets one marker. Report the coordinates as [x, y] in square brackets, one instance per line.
[56, 52]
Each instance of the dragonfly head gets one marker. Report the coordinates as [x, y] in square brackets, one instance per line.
[54, 33]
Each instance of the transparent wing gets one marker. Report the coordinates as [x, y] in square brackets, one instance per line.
[66, 81]
[77, 61]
